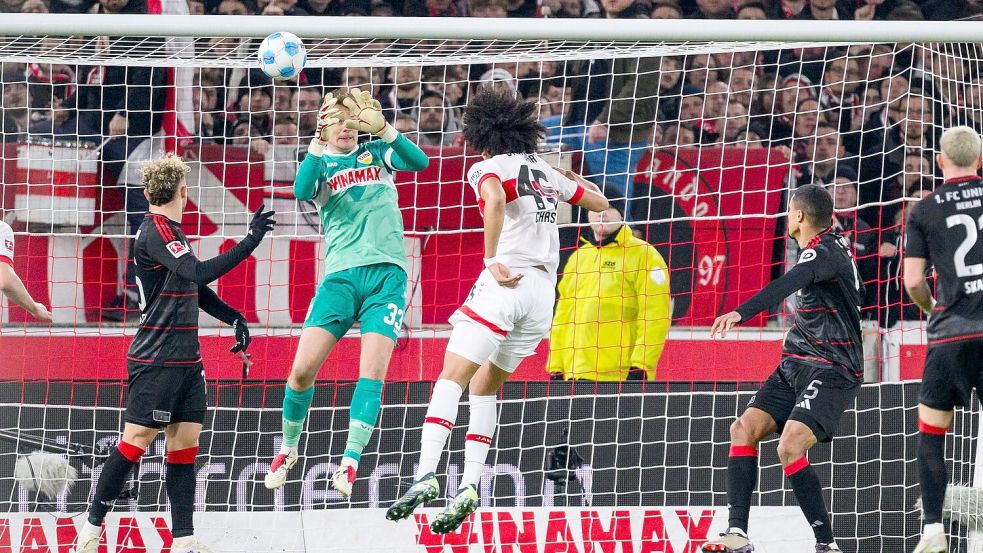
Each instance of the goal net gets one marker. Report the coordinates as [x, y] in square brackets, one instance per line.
[699, 144]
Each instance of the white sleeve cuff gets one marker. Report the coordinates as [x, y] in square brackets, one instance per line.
[390, 134]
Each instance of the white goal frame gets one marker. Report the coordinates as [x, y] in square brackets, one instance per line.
[475, 28]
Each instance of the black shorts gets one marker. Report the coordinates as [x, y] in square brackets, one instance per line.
[814, 396]
[952, 370]
[157, 396]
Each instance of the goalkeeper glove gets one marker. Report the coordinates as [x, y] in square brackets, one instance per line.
[328, 116]
[366, 113]
[242, 335]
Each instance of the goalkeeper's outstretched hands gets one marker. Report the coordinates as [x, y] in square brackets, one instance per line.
[366, 113]
[327, 118]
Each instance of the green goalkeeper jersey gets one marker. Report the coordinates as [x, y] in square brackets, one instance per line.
[356, 198]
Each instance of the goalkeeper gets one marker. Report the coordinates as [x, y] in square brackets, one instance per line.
[353, 187]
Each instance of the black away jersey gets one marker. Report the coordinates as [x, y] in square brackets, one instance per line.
[944, 228]
[826, 326]
[168, 332]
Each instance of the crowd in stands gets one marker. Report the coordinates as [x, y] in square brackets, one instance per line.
[862, 120]
[863, 10]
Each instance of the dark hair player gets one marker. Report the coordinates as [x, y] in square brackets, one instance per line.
[818, 378]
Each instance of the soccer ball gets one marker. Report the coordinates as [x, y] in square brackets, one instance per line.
[282, 55]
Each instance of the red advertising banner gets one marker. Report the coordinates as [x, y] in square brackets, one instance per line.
[725, 195]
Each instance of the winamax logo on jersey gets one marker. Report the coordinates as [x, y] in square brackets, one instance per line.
[351, 177]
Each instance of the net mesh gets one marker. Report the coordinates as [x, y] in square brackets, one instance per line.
[223, 52]
[699, 144]
[624, 448]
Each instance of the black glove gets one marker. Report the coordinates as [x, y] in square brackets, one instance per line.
[242, 335]
[556, 376]
[262, 223]
[636, 373]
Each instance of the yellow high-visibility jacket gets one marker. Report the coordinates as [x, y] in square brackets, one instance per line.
[614, 310]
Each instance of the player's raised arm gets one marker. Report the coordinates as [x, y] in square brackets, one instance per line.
[305, 183]
[366, 116]
[178, 257]
[586, 194]
[10, 283]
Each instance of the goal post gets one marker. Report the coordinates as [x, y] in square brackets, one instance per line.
[699, 131]
[507, 29]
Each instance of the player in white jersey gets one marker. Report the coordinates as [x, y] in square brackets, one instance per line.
[10, 283]
[509, 310]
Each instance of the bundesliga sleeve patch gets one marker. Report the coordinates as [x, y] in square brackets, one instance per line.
[8, 247]
[475, 176]
[807, 255]
[177, 249]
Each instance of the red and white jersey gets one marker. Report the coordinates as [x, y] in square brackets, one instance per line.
[532, 191]
[6, 244]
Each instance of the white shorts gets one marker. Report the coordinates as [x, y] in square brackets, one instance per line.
[503, 325]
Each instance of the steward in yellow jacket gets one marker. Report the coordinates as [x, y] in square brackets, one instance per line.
[614, 311]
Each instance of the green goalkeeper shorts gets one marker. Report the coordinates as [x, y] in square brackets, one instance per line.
[373, 295]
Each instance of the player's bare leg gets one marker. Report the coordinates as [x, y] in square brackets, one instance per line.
[377, 350]
[312, 350]
[746, 432]
[482, 395]
[182, 449]
[932, 426]
[115, 473]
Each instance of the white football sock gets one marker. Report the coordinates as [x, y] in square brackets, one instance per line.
[441, 415]
[484, 417]
[91, 529]
[934, 528]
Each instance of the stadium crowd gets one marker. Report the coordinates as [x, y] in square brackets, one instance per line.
[862, 120]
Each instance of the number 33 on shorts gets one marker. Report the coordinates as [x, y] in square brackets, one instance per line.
[394, 318]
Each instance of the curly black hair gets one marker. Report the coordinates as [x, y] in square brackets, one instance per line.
[498, 122]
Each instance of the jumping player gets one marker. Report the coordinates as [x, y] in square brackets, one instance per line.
[943, 232]
[166, 387]
[353, 187]
[818, 378]
[510, 308]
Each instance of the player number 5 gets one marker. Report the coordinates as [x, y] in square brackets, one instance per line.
[812, 390]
